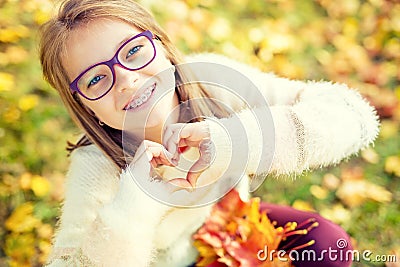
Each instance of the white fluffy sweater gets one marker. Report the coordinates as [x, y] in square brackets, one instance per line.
[107, 220]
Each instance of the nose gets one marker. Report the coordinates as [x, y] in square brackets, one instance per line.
[125, 80]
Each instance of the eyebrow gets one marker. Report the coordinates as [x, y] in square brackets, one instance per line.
[117, 47]
[123, 41]
[126, 39]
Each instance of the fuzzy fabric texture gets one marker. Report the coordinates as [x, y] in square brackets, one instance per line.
[107, 220]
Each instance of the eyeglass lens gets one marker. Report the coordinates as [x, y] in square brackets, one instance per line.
[97, 80]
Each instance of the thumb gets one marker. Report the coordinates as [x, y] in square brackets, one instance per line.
[207, 154]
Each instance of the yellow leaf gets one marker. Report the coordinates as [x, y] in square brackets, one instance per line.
[41, 16]
[178, 9]
[3, 59]
[7, 81]
[206, 252]
[16, 54]
[12, 114]
[397, 92]
[265, 54]
[256, 35]
[22, 220]
[318, 192]
[220, 29]
[352, 192]
[254, 214]
[45, 231]
[337, 213]
[350, 27]
[392, 165]
[25, 181]
[45, 248]
[28, 102]
[20, 248]
[330, 181]
[355, 192]
[191, 36]
[40, 186]
[13, 34]
[370, 155]
[302, 205]
[389, 129]
[279, 42]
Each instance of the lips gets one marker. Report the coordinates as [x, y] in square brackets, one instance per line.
[140, 99]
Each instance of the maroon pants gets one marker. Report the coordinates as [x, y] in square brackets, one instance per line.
[332, 245]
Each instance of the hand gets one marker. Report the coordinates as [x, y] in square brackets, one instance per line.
[154, 154]
[181, 135]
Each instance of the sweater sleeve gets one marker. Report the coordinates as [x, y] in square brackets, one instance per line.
[105, 221]
[315, 124]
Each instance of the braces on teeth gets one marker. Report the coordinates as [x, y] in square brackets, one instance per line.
[142, 98]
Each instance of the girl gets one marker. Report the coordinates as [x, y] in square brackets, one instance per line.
[109, 60]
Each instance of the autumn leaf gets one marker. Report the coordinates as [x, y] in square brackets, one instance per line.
[236, 231]
[302, 205]
[22, 219]
[20, 248]
[28, 102]
[392, 165]
[7, 81]
[40, 186]
[370, 155]
[355, 192]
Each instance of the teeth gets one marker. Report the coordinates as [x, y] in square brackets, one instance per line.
[142, 98]
[138, 102]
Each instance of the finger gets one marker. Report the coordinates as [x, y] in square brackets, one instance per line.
[196, 131]
[157, 161]
[195, 171]
[189, 136]
[173, 145]
[180, 184]
[154, 163]
[144, 149]
[162, 155]
[170, 134]
[182, 143]
[155, 150]
[207, 152]
[172, 142]
[166, 135]
[186, 130]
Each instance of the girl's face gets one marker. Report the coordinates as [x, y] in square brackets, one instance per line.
[146, 96]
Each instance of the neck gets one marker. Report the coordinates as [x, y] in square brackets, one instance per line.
[154, 134]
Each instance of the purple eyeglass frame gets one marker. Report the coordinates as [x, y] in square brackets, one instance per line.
[110, 63]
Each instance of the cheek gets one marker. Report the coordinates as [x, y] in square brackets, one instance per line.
[103, 111]
[161, 62]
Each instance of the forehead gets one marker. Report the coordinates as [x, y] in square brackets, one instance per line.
[94, 42]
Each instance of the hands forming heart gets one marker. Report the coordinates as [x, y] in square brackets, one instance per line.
[176, 139]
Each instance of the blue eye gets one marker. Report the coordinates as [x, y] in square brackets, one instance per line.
[134, 50]
[95, 80]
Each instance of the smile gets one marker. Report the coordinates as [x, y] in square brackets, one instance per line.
[141, 99]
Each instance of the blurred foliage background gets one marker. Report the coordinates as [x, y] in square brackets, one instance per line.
[351, 41]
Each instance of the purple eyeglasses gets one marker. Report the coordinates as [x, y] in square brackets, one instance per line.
[97, 80]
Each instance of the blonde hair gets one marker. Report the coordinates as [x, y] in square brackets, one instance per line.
[54, 36]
